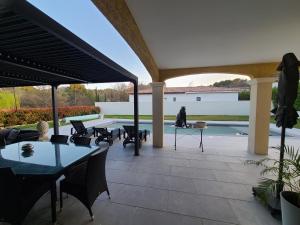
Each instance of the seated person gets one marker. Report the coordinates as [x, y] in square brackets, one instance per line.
[181, 118]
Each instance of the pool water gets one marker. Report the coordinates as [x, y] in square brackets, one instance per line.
[211, 130]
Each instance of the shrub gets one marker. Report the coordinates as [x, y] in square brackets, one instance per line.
[29, 116]
[244, 96]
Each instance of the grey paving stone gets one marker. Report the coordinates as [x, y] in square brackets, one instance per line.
[118, 165]
[211, 222]
[249, 213]
[153, 217]
[140, 196]
[205, 164]
[201, 206]
[235, 177]
[181, 184]
[190, 172]
[225, 190]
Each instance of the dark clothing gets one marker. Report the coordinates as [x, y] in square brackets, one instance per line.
[181, 118]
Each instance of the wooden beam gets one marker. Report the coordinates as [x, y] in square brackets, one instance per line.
[256, 70]
[118, 13]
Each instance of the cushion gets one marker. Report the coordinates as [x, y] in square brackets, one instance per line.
[4, 132]
[13, 135]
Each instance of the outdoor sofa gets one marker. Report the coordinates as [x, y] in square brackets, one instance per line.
[12, 135]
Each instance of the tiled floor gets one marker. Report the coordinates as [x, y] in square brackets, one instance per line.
[167, 187]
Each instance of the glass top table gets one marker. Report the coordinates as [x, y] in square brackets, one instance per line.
[46, 158]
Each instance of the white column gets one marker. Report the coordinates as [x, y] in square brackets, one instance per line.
[259, 120]
[158, 113]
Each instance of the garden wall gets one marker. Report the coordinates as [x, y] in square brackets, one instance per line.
[172, 108]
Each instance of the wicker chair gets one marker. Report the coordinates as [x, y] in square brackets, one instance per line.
[18, 195]
[59, 139]
[87, 182]
[84, 141]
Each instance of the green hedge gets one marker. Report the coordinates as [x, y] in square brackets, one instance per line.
[29, 116]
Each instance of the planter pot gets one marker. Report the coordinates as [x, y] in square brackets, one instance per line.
[43, 128]
[200, 124]
[289, 209]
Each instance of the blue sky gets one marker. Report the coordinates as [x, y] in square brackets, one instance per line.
[86, 21]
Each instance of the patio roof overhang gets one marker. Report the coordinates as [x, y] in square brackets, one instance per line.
[175, 38]
[36, 50]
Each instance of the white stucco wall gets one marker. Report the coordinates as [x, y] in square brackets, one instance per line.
[191, 97]
[172, 108]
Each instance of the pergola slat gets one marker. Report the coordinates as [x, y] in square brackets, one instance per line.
[36, 50]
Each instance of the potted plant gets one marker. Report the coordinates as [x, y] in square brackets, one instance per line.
[290, 196]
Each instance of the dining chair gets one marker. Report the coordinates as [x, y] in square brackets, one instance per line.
[85, 141]
[88, 182]
[18, 195]
[59, 139]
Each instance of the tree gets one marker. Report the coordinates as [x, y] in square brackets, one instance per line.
[232, 83]
[244, 96]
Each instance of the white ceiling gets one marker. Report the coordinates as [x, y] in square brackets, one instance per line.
[192, 33]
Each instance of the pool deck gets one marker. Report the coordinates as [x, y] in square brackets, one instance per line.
[66, 129]
[167, 187]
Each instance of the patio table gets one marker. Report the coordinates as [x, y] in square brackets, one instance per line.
[191, 127]
[48, 161]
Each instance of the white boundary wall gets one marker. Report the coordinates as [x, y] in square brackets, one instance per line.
[172, 108]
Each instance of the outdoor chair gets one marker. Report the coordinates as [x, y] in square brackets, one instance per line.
[2, 142]
[107, 135]
[129, 135]
[80, 130]
[86, 183]
[18, 195]
[85, 141]
[59, 139]
[12, 135]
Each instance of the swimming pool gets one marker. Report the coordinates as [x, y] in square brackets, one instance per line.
[83, 117]
[212, 129]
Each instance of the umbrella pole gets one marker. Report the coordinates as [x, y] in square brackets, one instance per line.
[280, 183]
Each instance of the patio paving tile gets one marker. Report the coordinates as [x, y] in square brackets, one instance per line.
[167, 187]
[150, 217]
[235, 177]
[201, 206]
[205, 164]
[150, 198]
[190, 172]
[182, 184]
[249, 213]
[225, 190]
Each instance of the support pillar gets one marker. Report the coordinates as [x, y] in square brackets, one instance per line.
[136, 119]
[259, 119]
[54, 109]
[158, 113]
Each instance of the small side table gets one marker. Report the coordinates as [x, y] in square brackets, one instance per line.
[192, 127]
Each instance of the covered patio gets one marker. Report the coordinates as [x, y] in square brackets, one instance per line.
[177, 38]
[173, 188]
[161, 186]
